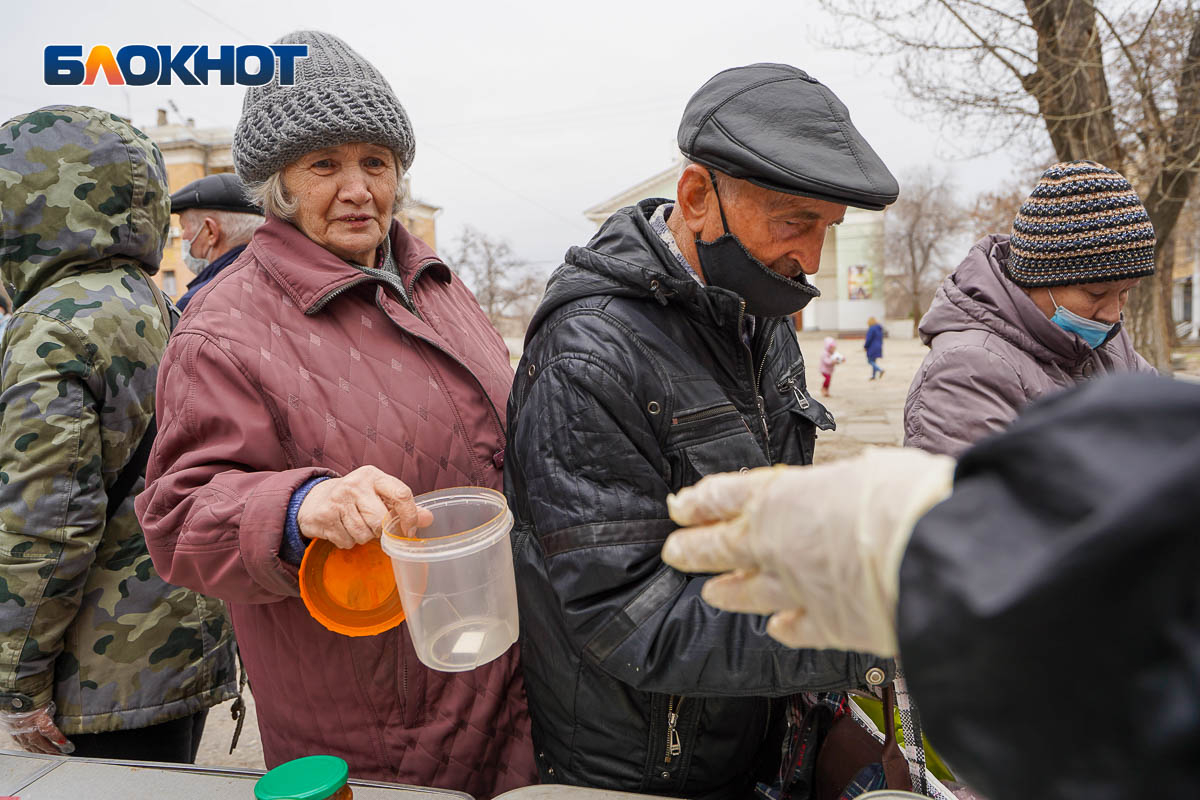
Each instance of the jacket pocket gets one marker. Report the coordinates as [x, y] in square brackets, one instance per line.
[712, 421]
[730, 453]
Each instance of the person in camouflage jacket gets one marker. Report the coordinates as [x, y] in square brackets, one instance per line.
[86, 624]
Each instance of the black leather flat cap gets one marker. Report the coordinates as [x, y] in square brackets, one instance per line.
[776, 126]
[221, 192]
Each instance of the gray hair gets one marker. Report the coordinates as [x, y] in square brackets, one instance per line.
[273, 197]
[237, 227]
[728, 186]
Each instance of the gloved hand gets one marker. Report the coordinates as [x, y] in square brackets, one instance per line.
[35, 730]
[820, 545]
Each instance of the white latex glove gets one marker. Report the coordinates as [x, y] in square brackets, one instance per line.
[820, 545]
[35, 730]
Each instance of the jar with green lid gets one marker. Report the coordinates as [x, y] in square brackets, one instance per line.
[308, 778]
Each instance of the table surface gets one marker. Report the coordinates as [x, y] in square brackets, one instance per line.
[32, 776]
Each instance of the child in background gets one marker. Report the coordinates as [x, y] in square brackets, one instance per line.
[874, 347]
[829, 359]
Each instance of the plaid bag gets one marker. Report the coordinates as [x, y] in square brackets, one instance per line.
[811, 718]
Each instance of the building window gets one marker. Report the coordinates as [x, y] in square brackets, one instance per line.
[168, 283]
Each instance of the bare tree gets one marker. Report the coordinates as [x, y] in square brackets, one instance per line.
[993, 210]
[506, 287]
[921, 239]
[1113, 82]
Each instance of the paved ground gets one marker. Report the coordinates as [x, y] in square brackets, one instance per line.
[218, 733]
[868, 412]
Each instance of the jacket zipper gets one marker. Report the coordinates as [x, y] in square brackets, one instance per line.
[408, 298]
[674, 747]
[708, 413]
[345, 287]
[756, 377]
[412, 285]
[790, 385]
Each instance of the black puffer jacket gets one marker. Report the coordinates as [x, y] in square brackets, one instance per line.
[636, 382]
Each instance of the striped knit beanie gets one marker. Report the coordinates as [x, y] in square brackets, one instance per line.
[338, 97]
[1083, 223]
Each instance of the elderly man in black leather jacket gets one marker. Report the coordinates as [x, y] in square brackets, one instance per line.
[661, 353]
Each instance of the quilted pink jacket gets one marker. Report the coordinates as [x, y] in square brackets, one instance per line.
[293, 364]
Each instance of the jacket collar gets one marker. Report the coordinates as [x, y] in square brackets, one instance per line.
[216, 265]
[626, 258]
[979, 296]
[308, 272]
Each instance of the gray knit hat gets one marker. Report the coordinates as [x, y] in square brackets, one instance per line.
[338, 97]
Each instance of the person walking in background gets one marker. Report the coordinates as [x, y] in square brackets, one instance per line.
[100, 654]
[830, 358]
[874, 347]
[1034, 313]
[217, 221]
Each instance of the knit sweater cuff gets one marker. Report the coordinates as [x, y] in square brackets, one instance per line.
[292, 547]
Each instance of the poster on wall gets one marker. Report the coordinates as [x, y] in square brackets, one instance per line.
[861, 282]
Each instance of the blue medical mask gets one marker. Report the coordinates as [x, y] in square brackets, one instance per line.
[1093, 332]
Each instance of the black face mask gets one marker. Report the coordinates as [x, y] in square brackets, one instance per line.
[727, 263]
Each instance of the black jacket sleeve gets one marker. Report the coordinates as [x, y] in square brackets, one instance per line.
[595, 484]
[1049, 615]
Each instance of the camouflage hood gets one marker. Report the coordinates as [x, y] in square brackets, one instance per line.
[77, 185]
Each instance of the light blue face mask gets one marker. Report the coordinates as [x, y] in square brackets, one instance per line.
[1093, 332]
[194, 263]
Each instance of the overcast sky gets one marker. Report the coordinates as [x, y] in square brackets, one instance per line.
[525, 113]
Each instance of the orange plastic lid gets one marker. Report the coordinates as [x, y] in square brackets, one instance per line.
[351, 592]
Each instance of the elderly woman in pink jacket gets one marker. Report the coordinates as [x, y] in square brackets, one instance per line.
[1030, 314]
[330, 373]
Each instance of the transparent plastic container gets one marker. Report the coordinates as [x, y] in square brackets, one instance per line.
[456, 578]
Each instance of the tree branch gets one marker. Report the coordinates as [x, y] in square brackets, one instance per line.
[1141, 81]
[988, 46]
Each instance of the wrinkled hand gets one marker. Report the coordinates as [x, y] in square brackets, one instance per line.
[35, 731]
[819, 545]
[351, 510]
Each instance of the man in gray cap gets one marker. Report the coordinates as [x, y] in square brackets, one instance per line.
[218, 222]
[662, 353]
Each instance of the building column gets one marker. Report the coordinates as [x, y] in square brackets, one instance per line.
[1195, 334]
